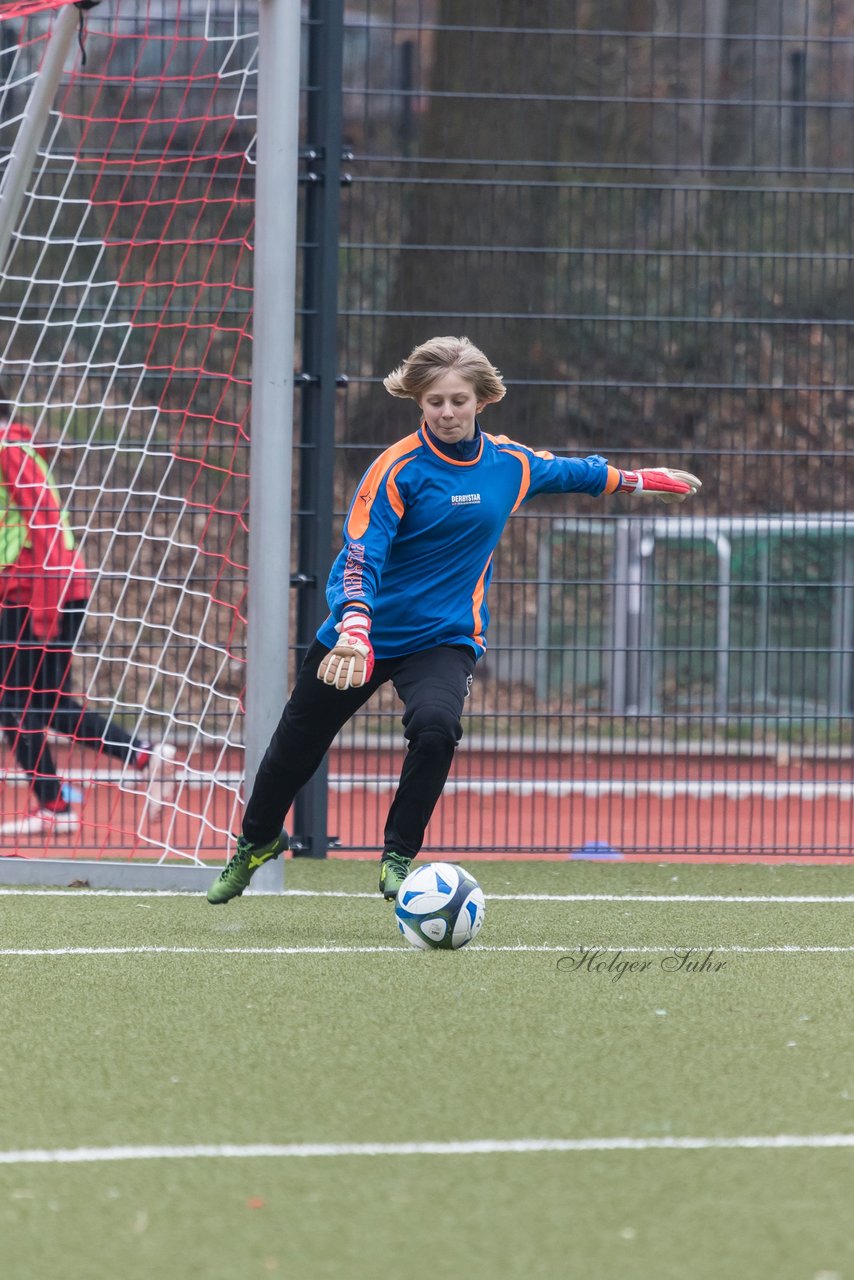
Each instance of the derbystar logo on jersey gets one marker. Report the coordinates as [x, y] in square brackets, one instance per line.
[464, 499]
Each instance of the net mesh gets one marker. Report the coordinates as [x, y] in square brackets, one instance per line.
[126, 310]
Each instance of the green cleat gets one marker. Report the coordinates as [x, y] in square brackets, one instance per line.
[231, 882]
[394, 869]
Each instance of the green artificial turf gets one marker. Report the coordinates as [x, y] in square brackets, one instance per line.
[220, 1041]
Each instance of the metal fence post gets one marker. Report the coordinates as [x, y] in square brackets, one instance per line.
[542, 659]
[618, 666]
[320, 371]
[723, 549]
[646, 621]
[842, 630]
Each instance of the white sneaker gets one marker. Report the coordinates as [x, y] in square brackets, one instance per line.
[41, 822]
[162, 777]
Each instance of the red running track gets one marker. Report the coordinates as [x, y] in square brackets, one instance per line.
[505, 804]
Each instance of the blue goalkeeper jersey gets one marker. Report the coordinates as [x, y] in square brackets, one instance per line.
[421, 531]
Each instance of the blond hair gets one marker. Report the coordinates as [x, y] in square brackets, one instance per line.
[438, 356]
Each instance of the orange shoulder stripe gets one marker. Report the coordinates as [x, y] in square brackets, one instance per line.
[360, 514]
[392, 489]
[477, 602]
[525, 482]
[538, 453]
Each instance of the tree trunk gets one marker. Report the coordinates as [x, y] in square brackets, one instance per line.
[478, 253]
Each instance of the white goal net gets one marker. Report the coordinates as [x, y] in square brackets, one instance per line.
[125, 298]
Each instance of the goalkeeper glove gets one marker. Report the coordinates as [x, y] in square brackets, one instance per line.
[350, 664]
[662, 483]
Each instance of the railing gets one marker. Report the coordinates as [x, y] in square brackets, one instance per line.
[638, 634]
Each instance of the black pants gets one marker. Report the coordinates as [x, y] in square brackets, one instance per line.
[35, 679]
[432, 685]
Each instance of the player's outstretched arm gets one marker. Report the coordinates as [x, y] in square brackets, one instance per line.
[350, 664]
[663, 483]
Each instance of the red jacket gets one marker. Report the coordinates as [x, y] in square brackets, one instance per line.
[40, 564]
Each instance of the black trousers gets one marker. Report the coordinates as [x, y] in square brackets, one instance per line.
[433, 685]
[35, 680]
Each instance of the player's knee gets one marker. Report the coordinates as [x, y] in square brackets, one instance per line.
[433, 729]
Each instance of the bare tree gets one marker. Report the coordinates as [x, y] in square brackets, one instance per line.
[600, 197]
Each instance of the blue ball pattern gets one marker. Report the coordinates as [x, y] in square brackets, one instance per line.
[440, 906]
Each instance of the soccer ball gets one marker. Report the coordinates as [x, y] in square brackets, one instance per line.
[440, 905]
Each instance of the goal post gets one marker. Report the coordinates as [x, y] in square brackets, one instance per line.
[34, 120]
[272, 385]
[137, 246]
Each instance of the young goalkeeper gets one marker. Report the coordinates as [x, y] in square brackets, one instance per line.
[43, 592]
[407, 597]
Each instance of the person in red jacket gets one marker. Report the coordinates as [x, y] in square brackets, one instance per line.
[44, 588]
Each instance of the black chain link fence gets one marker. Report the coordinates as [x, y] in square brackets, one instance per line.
[642, 214]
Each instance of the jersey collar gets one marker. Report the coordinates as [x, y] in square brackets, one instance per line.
[464, 454]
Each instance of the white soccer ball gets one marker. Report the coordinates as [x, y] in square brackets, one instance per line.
[439, 906]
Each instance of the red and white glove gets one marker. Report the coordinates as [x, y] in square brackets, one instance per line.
[350, 664]
[662, 483]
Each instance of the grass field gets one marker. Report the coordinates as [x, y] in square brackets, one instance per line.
[281, 1087]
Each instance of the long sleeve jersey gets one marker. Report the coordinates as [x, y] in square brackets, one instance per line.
[40, 565]
[421, 532]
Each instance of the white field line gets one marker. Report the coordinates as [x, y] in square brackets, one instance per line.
[483, 1147]
[737, 899]
[594, 788]
[609, 897]
[569, 948]
[755, 899]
